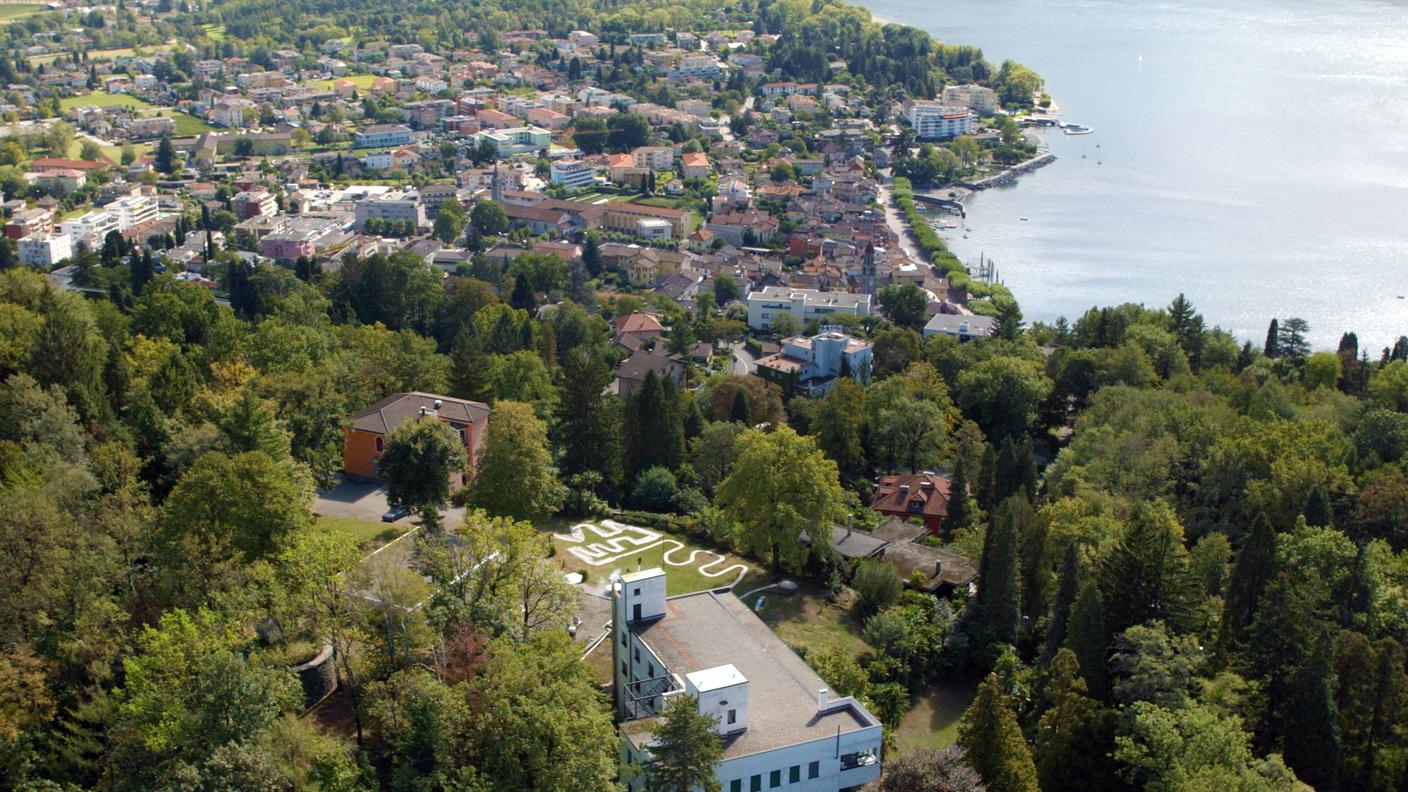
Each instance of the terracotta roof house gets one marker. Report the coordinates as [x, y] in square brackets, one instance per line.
[364, 436]
[922, 495]
[636, 327]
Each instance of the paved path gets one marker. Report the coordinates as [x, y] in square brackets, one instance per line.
[744, 364]
[896, 222]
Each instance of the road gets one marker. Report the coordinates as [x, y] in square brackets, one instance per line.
[896, 222]
[744, 364]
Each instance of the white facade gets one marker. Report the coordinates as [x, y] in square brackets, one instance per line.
[653, 228]
[981, 100]
[45, 250]
[573, 174]
[132, 211]
[802, 304]
[517, 140]
[813, 364]
[391, 206]
[657, 158]
[782, 728]
[936, 121]
[90, 229]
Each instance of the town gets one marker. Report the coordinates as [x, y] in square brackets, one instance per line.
[570, 406]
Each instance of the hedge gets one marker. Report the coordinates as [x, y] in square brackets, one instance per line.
[933, 248]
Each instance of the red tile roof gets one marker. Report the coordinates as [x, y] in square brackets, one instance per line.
[396, 409]
[637, 323]
[920, 494]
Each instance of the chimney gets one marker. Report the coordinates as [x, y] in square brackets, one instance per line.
[927, 486]
[904, 489]
[938, 568]
[850, 523]
[822, 700]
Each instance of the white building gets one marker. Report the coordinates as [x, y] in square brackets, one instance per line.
[810, 366]
[938, 121]
[977, 98]
[780, 726]
[45, 250]
[394, 206]
[132, 211]
[90, 229]
[802, 305]
[653, 228]
[656, 158]
[964, 327]
[573, 174]
[517, 140]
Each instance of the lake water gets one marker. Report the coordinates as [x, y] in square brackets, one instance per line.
[1252, 154]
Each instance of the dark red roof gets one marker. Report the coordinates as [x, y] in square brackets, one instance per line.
[920, 494]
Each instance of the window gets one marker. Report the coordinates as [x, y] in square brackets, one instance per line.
[774, 779]
[736, 785]
[794, 774]
[813, 769]
[650, 670]
[733, 716]
[636, 593]
[755, 784]
[625, 669]
[637, 654]
[379, 444]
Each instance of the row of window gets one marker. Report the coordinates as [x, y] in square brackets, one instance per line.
[794, 776]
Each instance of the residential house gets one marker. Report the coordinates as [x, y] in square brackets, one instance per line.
[695, 165]
[964, 327]
[631, 374]
[923, 496]
[803, 305]
[364, 437]
[810, 366]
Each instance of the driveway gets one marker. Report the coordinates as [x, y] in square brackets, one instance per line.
[744, 364]
[361, 499]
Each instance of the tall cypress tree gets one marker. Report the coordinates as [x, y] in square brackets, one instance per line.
[996, 608]
[1273, 340]
[738, 411]
[1312, 743]
[1317, 509]
[959, 509]
[1087, 636]
[987, 479]
[469, 368]
[1032, 556]
[1067, 586]
[992, 742]
[1254, 569]
[522, 296]
[589, 419]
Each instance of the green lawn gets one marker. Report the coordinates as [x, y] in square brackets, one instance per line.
[932, 721]
[186, 124]
[14, 11]
[214, 32]
[101, 99]
[689, 567]
[663, 202]
[807, 620]
[359, 80]
[368, 534]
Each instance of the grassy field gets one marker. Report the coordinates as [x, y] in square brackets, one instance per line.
[214, 32]
[368, 534]
[101, 99]
[359, 80]
[13, 11]
[932, 722]
[807, 620]
[689, 567]
[187, 124]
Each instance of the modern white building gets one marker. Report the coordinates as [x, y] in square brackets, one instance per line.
[780, 727]
[977, 98]
[393, 206]
[91, 228]
[938, 121]
[964, 327]
[810, 366]
[45, 250]
[656, 158]
[573, 174]
[133, 210]
[517, 140]
[803, 305]
[653, 228]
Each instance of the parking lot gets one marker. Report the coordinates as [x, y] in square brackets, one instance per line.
[362, 499]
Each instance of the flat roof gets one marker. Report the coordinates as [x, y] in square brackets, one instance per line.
[715, 678]
[709, 629]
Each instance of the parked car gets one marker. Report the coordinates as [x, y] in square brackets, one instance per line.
[395, 513]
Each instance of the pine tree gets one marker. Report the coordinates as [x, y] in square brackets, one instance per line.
[1145, 575]
[996, 607]
[993, 743]
[987, 479]
[738, 411]
[522, 296]
[1071, 748]
[1254, 568]
[591, 255]
[1067, 586]
[685, 750]
[1312, 743]
[1317, 510]
[1273, 340]
[654, 426]
[1031, 534]
[589, 419]
[959, 509]
[1088, 638]
[165, 159]
[469, 369]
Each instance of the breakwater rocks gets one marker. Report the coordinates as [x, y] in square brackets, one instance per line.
[1010, 175]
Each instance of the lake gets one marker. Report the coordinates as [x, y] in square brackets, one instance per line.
[1251, 154]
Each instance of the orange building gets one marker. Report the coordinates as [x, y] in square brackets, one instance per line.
[365, 435]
